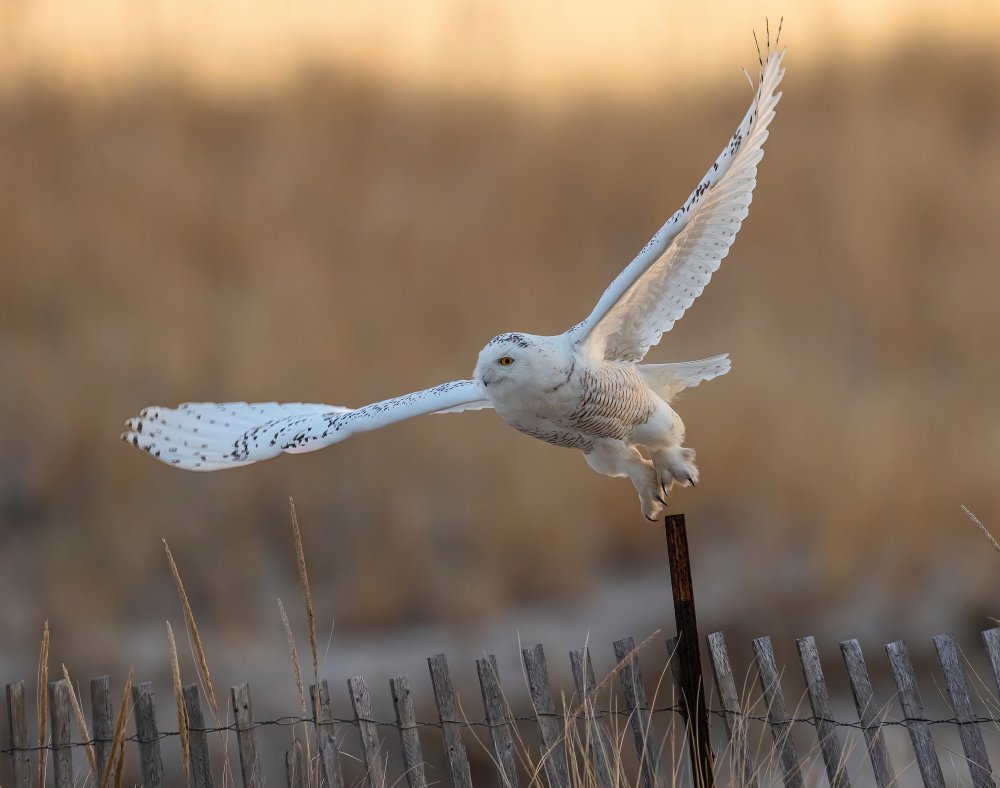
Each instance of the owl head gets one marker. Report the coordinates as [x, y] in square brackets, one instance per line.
[524, 360]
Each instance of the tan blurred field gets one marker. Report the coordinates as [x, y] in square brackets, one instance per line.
[347, 234]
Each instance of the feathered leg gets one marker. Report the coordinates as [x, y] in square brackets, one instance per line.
[617, 458]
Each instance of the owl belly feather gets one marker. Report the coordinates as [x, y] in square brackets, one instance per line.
[604, 402]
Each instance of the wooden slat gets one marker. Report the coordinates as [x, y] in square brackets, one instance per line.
[371, 745]
[499, 721]
[868, 712]
[958, 693]
[295, 766]
[600, 744]
[20, 756]
[62, 751]
[246, 738]
[735, 722]
[913, 710]
[991, 639]
[413, 756]
[777, 714]
[550, 724]
[330, 773]
[451, 722]
[147, 734]
[199, 764]
[826, 729]
[646, 745]
[103, 721]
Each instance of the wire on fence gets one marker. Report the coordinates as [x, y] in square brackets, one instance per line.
[290, 720]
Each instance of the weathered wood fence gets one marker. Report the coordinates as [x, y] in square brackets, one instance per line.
[578, 744]
[612, 732]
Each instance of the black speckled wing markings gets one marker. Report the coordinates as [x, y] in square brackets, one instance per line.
[208, 436]
[671, 271]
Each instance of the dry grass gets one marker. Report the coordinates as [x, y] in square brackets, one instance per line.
[300, 561]
[81, 724]
[43, 701]
[182, 718]
[116, 759]
[985, 532]
[591, 725]
[192, 628]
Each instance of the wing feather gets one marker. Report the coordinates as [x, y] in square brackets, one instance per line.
[672, 270]
[209, 436]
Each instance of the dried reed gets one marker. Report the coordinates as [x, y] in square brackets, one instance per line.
[981, 527]
[300, 557]
[192, 629]
[43, 701]
[182, 718]
[81, 723]
[116, 764]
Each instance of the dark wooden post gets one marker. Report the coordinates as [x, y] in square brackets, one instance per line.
[19, 755]
[199, 763]
[62, 755]
[253, 776]
[104, 722]
[689, 653]
[147, 734]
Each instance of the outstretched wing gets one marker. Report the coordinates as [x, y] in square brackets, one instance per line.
[210, 436]
[656, 288]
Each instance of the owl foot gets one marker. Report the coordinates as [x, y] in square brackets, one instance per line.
[676, 465]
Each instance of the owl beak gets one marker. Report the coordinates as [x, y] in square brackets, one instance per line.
[489, 376]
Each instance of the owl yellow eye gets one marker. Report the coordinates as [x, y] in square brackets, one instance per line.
[505, 361]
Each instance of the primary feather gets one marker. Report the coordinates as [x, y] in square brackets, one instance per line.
[672, 270]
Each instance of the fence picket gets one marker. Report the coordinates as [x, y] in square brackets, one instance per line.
[630, 677]
[62, 751]
[103, 721]
[413, 756]
[871, 723]
[246, 739]
[826, 728]
[499, 721]
[991, 639]
[549, 723]
[451, 723]
[735, 722]
[199, 765]
[330, 773]
[600, 767]
[600, 745]
[913, 710]
[777, 714]
[295, 766]
[20, 758]
[147, 735]
[370, 743]
[958, 693]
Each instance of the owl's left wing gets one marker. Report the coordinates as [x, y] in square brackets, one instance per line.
[211, 436]
[658, 286]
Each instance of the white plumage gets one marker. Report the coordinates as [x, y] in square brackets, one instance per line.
[583, 389]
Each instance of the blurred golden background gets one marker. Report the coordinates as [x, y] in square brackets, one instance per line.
[342, 202]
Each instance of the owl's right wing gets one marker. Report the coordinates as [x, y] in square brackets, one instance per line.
[670, 272]
[210, 436]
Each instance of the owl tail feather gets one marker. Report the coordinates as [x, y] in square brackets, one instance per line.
[668, 380]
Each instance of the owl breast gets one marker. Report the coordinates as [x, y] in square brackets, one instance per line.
[606, 401]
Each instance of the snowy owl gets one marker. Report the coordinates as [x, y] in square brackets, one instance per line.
[585, 389]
